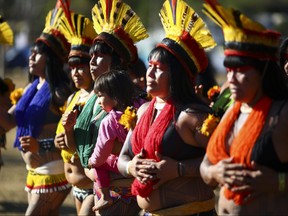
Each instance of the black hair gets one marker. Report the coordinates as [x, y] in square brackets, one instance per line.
[59, 81]
[77, 60]
[116, 61]
[117, 85]
[3, 87]
[181, 87]
[274, 81]
[207, 78]
[283, 52]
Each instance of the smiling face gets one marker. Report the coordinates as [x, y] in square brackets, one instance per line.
[99, 64]
[245, 83]
[158, 81]
[37, 63]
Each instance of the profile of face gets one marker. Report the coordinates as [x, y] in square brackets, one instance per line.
[245, 83]
[157, 79]
[105, 101]
[99, 64]
[37, 63]
[81, 76]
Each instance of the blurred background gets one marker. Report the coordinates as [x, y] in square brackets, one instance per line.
[27, 19]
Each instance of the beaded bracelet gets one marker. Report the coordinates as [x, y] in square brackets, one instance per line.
[282, 181]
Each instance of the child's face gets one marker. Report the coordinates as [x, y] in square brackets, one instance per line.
[106, 102]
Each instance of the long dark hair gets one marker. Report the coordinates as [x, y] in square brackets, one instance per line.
[59, 81]
[181, 87]
[117, 85]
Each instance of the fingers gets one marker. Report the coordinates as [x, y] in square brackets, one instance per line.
[60, 141]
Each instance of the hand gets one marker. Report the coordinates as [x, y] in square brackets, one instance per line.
[29, 143]
[259, 180]
[142, 169]
[166, 169]
[69, 120]
[227, 173]
[59, 141]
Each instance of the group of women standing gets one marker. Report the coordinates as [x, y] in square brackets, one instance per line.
[162, 164]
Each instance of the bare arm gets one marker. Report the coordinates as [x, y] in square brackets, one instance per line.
[124, 156]
[68, 121]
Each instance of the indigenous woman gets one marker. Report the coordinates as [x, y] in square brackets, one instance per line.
[118, 28]
[247, 154]
[80, 33]
[36, 116]
[164, 151]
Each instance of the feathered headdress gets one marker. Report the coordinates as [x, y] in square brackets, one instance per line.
[6, 33]
[119, 26]
[51, 34]
[243, 36]
[186, 36]
[79, 31]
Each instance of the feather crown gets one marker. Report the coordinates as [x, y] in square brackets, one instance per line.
[51, 34]
[6, 33]
[119, 26]
[187, 36]
[243, 36]
[79, 31]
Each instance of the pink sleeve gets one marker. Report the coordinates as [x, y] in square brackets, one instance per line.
[105, 141]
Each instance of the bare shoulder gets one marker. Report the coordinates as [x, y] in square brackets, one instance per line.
[142, 109]
[194, 114]
[189, 123]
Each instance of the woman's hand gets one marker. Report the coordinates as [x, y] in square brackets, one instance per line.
[29, 143]
[259, 180]
[59, 141]
[142, 169]
[166, 169]
[149, 169]
[227, 173]
[69, 120]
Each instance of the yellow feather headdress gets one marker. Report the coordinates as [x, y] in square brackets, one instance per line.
[79, 31]
[119, 26]
[243, 36]
[51, 34]
[186, 35]
[6, 33]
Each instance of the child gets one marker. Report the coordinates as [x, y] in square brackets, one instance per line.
[115, 92]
